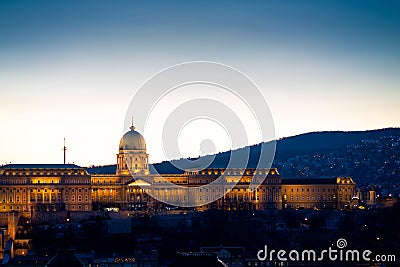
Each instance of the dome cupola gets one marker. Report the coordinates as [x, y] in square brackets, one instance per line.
[132, 157]
[132, 140]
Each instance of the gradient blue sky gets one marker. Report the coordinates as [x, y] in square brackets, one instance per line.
[71, 70]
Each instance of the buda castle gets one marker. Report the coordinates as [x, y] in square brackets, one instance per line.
[28, 188]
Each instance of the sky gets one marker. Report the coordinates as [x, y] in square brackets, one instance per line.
[70, 69]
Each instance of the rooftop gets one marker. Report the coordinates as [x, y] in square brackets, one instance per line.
[41, 166]
[309, 181]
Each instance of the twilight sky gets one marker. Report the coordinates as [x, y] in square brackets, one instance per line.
[71, 70]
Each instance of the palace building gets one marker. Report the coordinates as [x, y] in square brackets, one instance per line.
[44, 187]
[28, 188]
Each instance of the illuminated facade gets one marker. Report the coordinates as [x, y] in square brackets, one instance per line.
[60, 187]
[317, 192]
[44, 187]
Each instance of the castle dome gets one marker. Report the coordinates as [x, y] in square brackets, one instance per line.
[132, 140]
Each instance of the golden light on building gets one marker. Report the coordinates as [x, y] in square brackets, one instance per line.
[31, 188]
